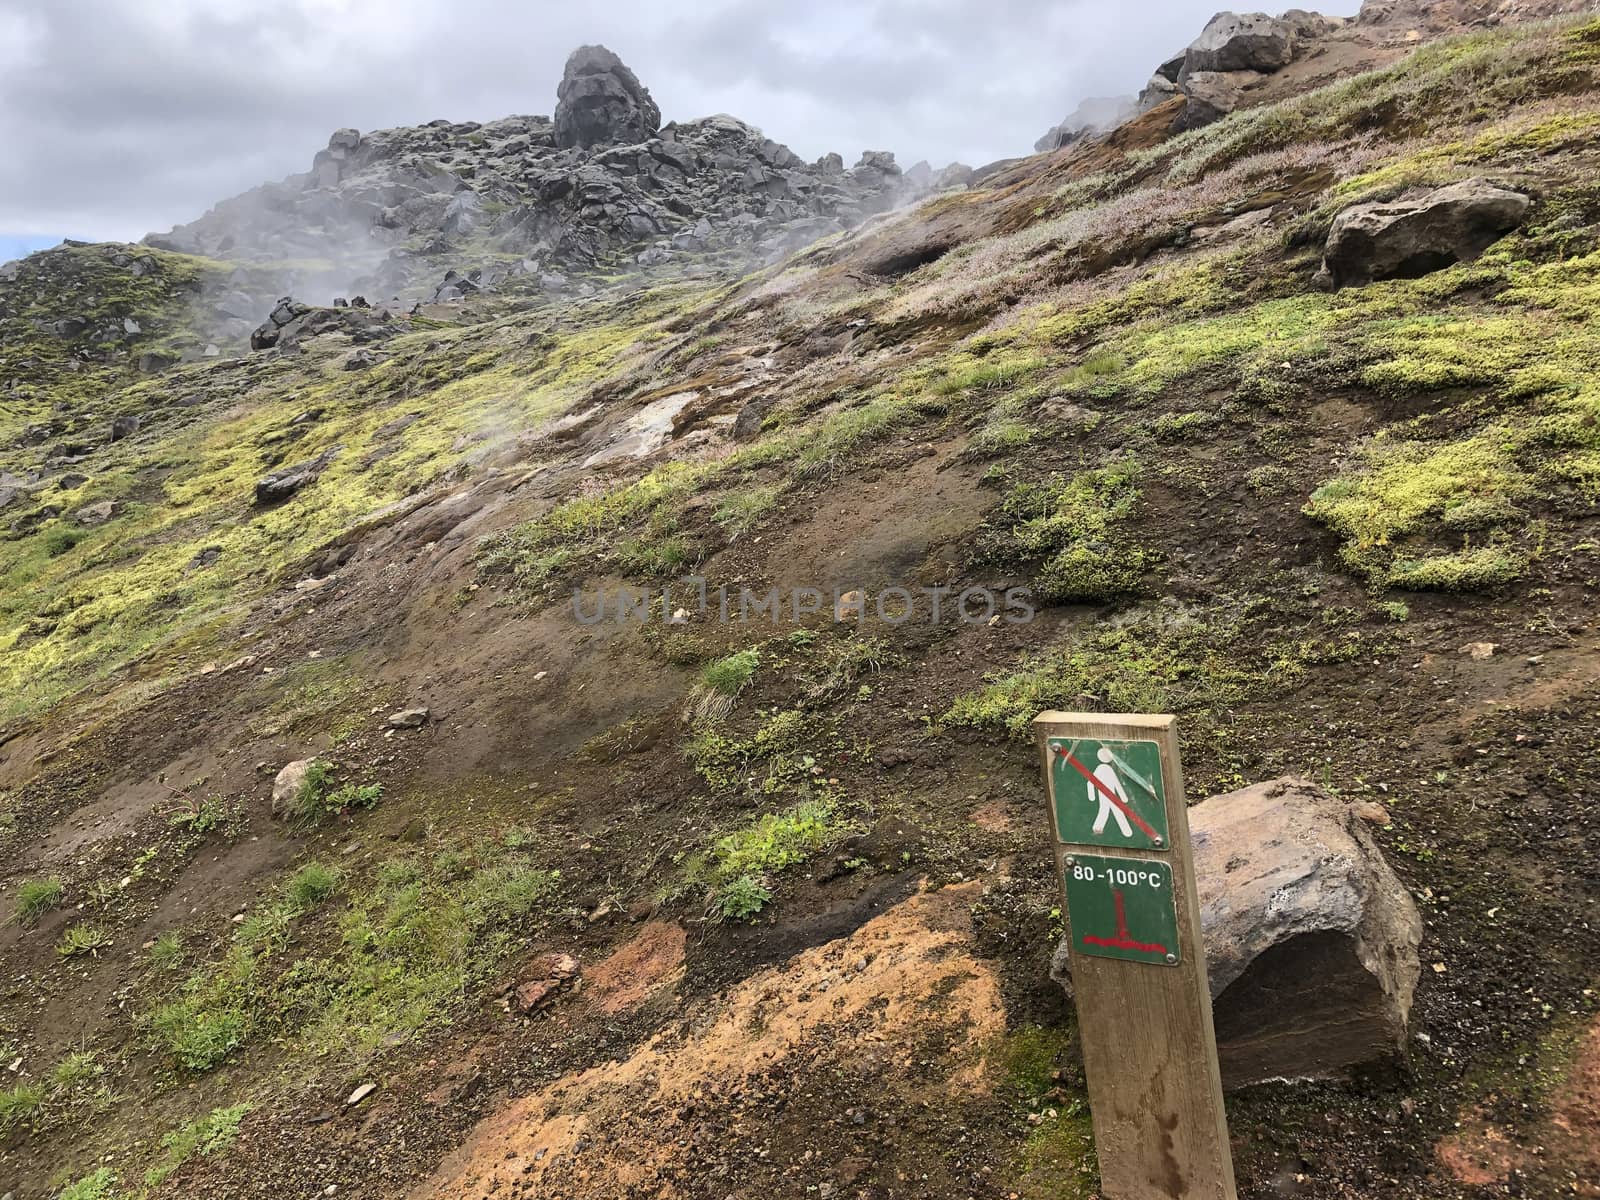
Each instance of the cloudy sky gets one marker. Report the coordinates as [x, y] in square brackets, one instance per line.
[120, 117]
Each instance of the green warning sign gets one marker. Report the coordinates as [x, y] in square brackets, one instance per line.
[1109, 793]
[1122, 908]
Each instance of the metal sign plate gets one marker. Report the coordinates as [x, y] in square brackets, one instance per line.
[1122, 908]
[1109, 793]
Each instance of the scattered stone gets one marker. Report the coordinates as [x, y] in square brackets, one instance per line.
[153, 361]
[96, 514]
[850, 606]
[1408, 238]
[1372, 813]
[1311, 940]
[283, 483]
[287, 785]
[124, 426]
[1480, 650]
[542, 979]
[360, 1094]
[408, 718]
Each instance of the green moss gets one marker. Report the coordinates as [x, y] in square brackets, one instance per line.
[1072, 527]
[1464, 571]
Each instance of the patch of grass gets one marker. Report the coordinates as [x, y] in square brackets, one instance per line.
[82, 938]
[409, 945]
[310, 886]
[844, 663]
[1183, 427]
[59, 540]
[100, 1184]
[207, 1137]
[1191, 663]
[20, 1105]
[1073, 528]
[75, 1070]
[720, 683]
[742, 511]
[166, 951]
[36, 897]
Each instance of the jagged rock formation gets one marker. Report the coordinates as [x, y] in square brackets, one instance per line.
[1411, 237]
[604, 181]
[1311, 940]
[1233, 52]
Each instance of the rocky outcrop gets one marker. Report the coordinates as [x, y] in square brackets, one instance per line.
[601, 102]
[1095, 115]
[391, 212]
[1410, 237]
[1233, 52]
[1311, 941]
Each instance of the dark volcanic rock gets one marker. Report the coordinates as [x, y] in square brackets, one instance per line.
[1311, 940]
[1239, 42]
[604, 184]
[600, 101]
[1407, 238]
[286, 481]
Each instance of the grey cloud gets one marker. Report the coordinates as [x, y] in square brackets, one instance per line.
[121, 118]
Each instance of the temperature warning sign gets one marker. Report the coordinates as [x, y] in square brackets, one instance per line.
[1122, 908]
[1108, 793]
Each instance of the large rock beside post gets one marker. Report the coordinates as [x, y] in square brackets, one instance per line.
[1311, 940]
[1410, 237]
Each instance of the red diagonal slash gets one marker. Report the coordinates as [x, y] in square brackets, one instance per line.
[1110, 795]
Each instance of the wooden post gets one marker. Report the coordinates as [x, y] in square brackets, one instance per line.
[1121, 835]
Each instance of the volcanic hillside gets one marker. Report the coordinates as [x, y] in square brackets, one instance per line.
[694, 907]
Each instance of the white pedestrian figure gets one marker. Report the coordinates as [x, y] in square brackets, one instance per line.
[1107, 775]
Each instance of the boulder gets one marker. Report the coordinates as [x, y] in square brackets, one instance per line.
[286, 481]
[1407, 238]
[408, 718]
[1311, 940]
[1239, 42]
[286, 787]
[1212, 95]
[96, 514]
[124, 426]
[600, 101]
[1157, 92]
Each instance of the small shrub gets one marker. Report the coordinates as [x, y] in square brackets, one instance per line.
[202, 816]
[342, 800]
[777, 840]
[37, 897]
[82, 938]
[742, 897]
[310, 886]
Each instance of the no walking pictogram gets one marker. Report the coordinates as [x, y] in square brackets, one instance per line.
[1109, 793]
